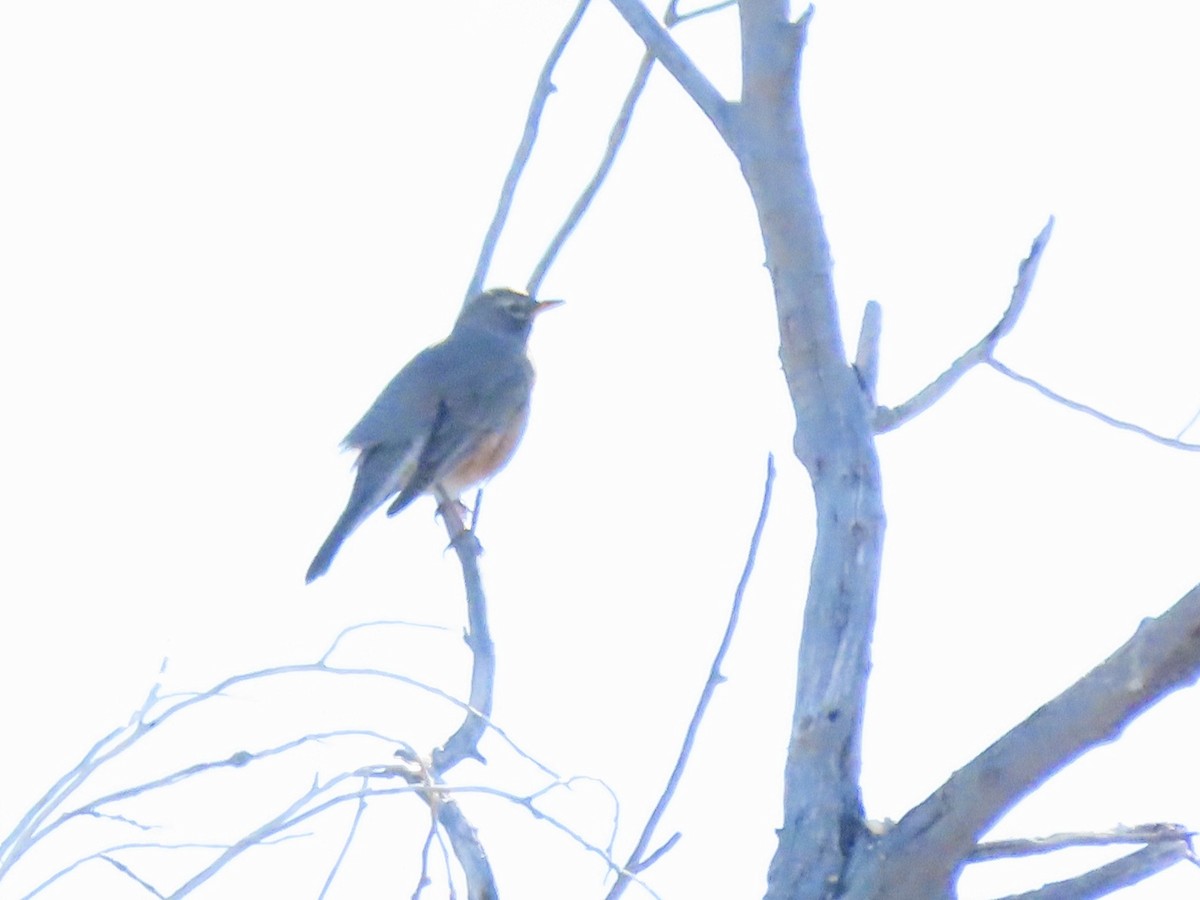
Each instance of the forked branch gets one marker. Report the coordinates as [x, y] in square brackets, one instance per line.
[923, 853]
[1120, 873]
[887, 418]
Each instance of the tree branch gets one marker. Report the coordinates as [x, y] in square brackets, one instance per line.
[1138, 834]
[678, 63]
[464, 743]
[866, 358]
[541, 94]
[337, 864]
[616, 138]
[1123, 872]
[636, 862]
[922, 855]
[1174, 443]
[886, 419]
[481, 883]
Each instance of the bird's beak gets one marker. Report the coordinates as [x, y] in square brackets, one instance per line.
[542, 305]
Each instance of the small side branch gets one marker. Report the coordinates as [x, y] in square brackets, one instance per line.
[678, 63]
[481, 884]
[1174, 443]
[866, 359]
[887, 418]
[541, 94]
[1153, 833]
[1121, 873]
[923, 853]
[464, 743]
[616, 138]
[637, 859]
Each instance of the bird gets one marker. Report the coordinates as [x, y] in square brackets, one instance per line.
[449, 420]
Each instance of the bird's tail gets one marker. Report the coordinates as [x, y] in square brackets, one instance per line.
[375, 482]
[346, 524]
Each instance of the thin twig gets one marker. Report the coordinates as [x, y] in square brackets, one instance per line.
[151, 716]
[1136, 834]
[636, 862]
[103, 855]
[133, 876]
[464, 743]
[541, 94]
[616, 137]
[887, 418]
[674, 16]
[659, 42]
[1089, 410]
[378, 623]
[1192, 421]
[358, 814]
[1123, 872]
[423, 880]
[296, 812]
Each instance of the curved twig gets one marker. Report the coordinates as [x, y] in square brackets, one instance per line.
[1174, 443]
[541, 94]
[636, 861]
[887, 418]
[1152, 833]
[464, 743]
[1120, 873]
[616, 137]
[678, 63]
[354, 823]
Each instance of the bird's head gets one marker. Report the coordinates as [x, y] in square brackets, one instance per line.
[503, 311]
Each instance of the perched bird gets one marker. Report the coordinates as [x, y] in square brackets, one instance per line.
[449, 420]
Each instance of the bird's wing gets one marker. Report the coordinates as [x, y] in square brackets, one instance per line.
[477, 404]
[405, 409]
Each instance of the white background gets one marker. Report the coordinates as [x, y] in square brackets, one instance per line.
[223, 227]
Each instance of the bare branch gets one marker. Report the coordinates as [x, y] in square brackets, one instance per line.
[636, 862]
[616, 138]
[132, 876]
[1174, 443]
[888, 418]
[481, 884]
[1121, 873]
[545, 87]
[1137, 834]
[678, 63]
[104, 855]
[1186, 428]
[358, 814]
[378, 623]
[464, 743]
[156, 711]
[436, 793]
[866, 359]
[673, 16]
[923, 853]
[423, 879]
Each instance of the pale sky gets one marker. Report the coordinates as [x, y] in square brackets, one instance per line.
[223, 228]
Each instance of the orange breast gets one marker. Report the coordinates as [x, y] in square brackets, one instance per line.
[487, 458]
